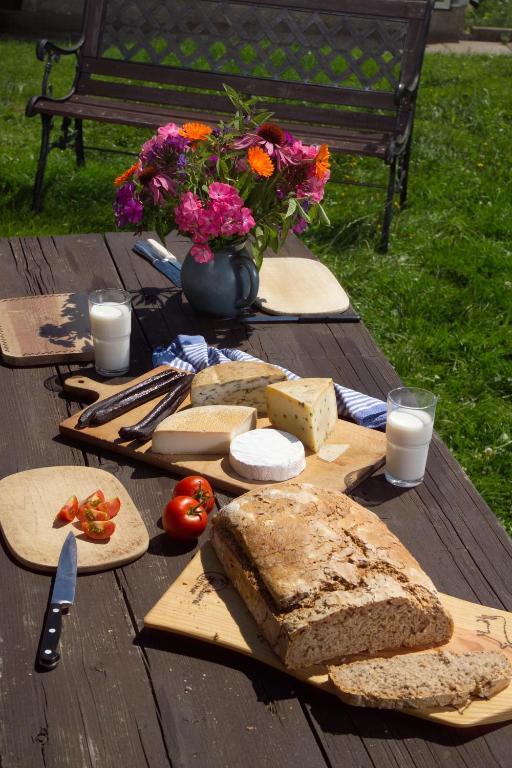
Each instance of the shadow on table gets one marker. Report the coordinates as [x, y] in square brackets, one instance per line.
[269, 684]
[374, 724]
[163, 314]
[328, 714]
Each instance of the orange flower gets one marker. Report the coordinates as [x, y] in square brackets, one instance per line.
[126, 175]
[195, 131]
[322, 164]
[260, 162]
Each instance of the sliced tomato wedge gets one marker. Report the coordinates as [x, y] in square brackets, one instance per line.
[69, 510]
[94, 499]
[111, 506]
[89, 513]
[98, 529]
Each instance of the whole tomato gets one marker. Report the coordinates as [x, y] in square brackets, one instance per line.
[184, 518]
[197, 487]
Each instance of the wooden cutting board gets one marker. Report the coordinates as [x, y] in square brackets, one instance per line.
[202, 604]
[30, 500]
[293, 286]
[40, 330]
[350, 454]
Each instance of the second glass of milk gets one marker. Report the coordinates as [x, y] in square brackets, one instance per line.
[409, 426]
[110, 314]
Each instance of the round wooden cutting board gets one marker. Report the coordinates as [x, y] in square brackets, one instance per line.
[30, 500]
[293, 286]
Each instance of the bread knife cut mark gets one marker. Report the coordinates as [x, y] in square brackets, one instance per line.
[332, 452]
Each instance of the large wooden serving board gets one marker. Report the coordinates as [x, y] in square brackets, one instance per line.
[37, 330]
[295, 286]
[202, 604]
[30, 500]
[350, 454]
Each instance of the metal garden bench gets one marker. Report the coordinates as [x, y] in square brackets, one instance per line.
[343, 72]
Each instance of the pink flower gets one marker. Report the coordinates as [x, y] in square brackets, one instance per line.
[224, 193]
[202, 253]
[312, 188]
[171, 129]
[246, 221]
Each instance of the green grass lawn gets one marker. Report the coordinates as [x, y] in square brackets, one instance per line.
[439, 303]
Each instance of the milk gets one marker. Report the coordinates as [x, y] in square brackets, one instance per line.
[408, 433]
[110, 330]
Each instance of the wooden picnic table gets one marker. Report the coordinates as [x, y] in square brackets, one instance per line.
[126, 696]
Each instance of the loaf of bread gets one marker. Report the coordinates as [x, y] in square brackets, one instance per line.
[324, 577]
[421, 680]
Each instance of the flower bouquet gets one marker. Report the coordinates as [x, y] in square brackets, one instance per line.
[245, 179]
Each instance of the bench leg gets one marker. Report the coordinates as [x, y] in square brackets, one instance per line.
[79, 143]
[46, 127]
[404, 174]
[388, 209]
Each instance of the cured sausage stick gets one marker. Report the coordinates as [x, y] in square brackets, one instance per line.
[147, 389]
[169, 404]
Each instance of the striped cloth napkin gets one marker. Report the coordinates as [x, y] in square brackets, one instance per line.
[191, 353]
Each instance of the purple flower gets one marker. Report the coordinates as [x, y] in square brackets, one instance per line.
[127, 209]
[300, 226]
[160, 187]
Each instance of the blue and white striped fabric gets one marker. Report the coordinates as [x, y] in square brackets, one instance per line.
[191, 353]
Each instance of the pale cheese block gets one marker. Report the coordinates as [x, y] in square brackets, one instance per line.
[236, 383]
[206, 429]
[307, 408]
[267, 454]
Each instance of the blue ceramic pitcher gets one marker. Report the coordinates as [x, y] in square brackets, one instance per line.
[223, 286]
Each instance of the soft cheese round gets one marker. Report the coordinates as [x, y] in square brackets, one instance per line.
[267, 454]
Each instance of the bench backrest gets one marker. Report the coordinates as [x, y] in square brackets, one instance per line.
[330, 53]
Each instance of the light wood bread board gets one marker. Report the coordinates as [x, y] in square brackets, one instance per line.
[350, 454]
[293, 286]
[202, 604]
[30, 500]
[40, 330]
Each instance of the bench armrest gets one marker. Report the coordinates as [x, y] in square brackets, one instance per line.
[406, 90]
[51, 53]
[46, 48]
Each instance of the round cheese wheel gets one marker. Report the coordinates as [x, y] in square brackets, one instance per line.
[267, 454]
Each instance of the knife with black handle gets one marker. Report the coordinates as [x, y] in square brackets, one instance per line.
[63, 595]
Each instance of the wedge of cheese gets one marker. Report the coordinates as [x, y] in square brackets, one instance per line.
[206, 429]
[306, 408]
[237, 383]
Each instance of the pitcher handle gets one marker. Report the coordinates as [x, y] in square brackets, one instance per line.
[254, 282]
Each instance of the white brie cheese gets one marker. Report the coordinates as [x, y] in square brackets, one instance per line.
[267, 454]
[206, 429]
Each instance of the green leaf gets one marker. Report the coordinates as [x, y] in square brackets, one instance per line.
[292, 207]
[323, 216]
[303, 212]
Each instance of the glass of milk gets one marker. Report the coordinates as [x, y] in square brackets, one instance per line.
[110, 314]
[409, 426]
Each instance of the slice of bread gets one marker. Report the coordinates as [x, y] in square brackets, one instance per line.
[422, 680]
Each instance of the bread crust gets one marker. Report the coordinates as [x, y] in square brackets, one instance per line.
[324, 577]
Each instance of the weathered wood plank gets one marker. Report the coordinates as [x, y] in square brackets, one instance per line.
[167, 699]
[97, 707]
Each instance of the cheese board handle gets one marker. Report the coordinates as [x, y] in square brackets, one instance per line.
[89, 389]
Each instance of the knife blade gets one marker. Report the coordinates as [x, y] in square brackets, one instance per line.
[253, 319]
[169, 266]
[63, 595]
